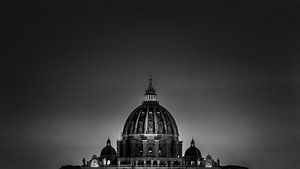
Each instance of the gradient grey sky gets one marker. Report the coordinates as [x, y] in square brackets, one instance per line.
[73, 72]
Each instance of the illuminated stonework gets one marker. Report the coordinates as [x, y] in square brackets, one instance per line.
[150, 138]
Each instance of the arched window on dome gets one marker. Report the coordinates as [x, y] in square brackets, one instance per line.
[132, 127]
[140, 128]
[160, 127]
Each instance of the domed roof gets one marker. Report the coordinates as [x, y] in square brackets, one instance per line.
[150, 117]
[193, 151]
[108, 150]
[209, 157]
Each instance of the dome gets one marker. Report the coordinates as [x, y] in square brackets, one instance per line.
[208, 157]
[150, 117]
[193, 151]
[108, 150]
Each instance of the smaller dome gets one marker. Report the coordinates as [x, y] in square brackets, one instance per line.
[108, 150]
[209, 157]
[192, 151]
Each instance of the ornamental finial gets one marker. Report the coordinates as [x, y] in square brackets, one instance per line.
[192, 142]
[150, 90]
[150, 93]
[108, 143]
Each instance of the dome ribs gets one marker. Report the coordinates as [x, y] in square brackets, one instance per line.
[160, 121]
[141, 120]
[163, 120]
[127, 127]
[168, 123]
[150, 118]
[146, 120]
[174, 126]
[155, 119]
[137, 120]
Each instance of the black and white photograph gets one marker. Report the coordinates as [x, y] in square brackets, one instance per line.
[150, 84]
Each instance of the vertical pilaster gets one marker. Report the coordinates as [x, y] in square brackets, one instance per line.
[156, 148]
[119, 142]
[144, 142]
[133, 148]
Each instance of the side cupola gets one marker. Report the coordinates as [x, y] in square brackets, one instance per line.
[192, 155]
[108, 154]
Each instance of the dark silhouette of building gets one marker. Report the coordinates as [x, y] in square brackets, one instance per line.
[192, 155]
[108, 154]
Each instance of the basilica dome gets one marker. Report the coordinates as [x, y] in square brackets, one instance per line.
[150, 131]
[150, 117]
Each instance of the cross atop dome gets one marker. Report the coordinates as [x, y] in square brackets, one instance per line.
[150, 90]
[108, 143]
[192, 143]
[150, 93]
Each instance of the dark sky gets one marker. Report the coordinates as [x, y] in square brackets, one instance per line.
[71, 73]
